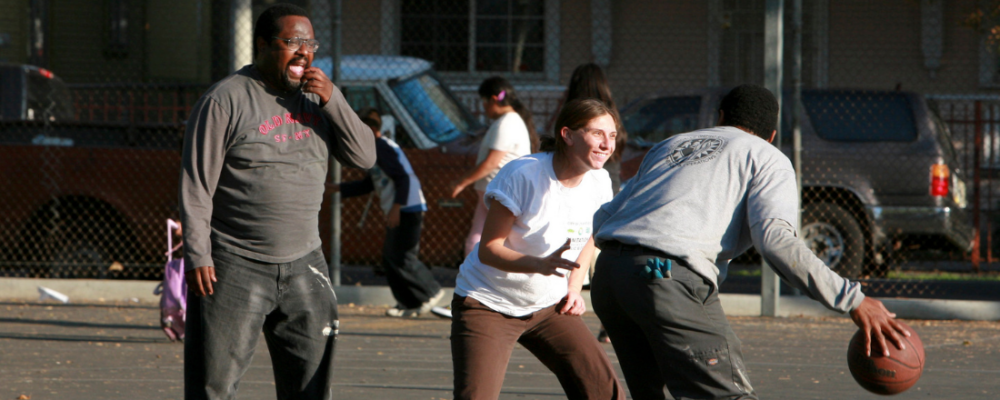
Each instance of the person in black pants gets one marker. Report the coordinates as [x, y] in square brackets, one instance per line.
[255, 159]
[403, 202]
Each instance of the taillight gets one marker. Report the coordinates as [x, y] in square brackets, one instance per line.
[940, 178]
[46, 73]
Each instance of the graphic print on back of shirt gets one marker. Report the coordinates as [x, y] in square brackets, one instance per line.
[696, 150]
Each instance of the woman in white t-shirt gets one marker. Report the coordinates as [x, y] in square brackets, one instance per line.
[511, 136]
[522, 282]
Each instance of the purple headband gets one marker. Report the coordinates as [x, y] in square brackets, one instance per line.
[503, 93]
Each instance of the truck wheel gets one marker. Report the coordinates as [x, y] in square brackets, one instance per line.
[835, 236]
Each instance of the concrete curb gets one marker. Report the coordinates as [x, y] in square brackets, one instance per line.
[84, 291]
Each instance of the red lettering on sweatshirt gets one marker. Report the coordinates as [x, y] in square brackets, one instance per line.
[288, 118]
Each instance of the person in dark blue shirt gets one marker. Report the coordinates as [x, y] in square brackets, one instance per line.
[403, 202]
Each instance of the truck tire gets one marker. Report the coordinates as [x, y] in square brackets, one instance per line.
[835, 236]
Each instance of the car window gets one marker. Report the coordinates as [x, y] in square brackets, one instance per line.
[652, 120]
[366, 96]
[855, 116]
[48, 98]
[433, 108]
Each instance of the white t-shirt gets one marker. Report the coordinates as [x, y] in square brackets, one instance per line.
[508, 133]
[547, 214]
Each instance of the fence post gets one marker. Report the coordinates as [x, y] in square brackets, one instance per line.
[770, 288]
[977, 145]
[797, 110]
[335, 204]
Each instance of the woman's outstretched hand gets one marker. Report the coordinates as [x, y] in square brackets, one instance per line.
[551, 264]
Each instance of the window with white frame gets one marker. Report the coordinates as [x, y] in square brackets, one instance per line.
[476, 38]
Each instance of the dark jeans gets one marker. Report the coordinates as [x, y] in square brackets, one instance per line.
[410, 280]
[295, 306]
[482, 341]
[668, 333]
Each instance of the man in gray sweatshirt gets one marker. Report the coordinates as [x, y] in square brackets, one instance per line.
[255, 160]
[698, 200]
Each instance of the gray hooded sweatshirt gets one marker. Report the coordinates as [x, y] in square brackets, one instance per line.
[706, 196]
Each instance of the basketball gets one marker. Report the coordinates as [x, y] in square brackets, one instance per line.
[886, 375]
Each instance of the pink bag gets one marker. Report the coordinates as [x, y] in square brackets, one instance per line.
[173, 290]
[173, 301]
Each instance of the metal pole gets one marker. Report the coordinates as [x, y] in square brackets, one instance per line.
[770, 288]
[976, 182]
[797, 108]
[335, 241]
[241, 49]
[797, 99]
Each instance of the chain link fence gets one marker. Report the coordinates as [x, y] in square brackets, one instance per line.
[900, 123]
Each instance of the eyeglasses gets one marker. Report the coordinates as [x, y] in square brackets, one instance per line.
[295, 43]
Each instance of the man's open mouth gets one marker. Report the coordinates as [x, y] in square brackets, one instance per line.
[296, 69]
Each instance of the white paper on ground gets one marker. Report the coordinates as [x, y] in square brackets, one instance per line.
[45, 293]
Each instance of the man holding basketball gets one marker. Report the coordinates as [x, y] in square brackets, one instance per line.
[255, 160]
[698, 200]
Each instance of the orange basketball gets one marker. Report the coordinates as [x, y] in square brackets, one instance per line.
[886, 375]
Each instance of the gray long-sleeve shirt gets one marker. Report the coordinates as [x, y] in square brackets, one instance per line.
[254, 165]
[706, 196]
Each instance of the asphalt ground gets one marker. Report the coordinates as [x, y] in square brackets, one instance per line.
[116, 351]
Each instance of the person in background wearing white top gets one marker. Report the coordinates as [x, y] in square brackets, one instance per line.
[511, 136]
[513, 287]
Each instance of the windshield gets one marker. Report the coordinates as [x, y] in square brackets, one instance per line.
[856, 116]
[650, 121]
[433, 108]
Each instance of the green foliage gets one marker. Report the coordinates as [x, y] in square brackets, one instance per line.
[985, 18]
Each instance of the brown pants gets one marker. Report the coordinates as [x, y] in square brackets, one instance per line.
[482, 341]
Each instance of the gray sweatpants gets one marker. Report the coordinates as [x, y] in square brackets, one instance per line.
[668, 333]
[295, 306]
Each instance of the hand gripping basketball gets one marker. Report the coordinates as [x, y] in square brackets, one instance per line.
[877, 322]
